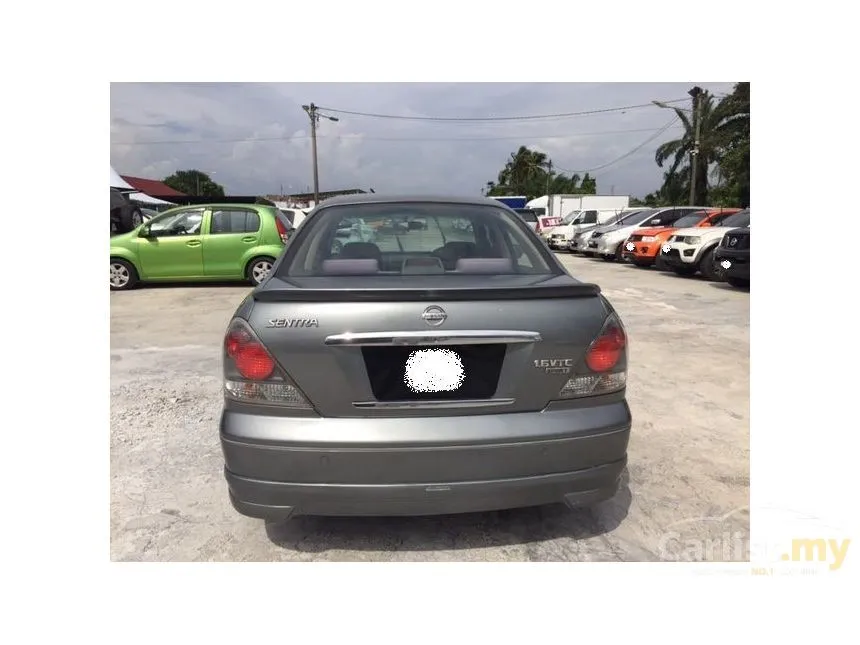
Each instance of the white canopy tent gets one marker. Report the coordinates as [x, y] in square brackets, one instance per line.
[143, 198]
[118, 182]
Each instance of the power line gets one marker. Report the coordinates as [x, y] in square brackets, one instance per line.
[533, 117]
[628, 153]
[372, 138]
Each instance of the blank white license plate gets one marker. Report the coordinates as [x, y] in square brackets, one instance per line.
[434, 370]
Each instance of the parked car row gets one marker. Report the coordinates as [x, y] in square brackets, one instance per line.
[686, 240]
[242, 241]
[559, 237]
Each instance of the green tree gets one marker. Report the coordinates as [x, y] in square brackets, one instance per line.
[723, 153]
[675, 190]
[679, 150]
[733, 169]
[527, 172]
[194, 182]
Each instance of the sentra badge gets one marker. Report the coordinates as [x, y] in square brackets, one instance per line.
[293, 322]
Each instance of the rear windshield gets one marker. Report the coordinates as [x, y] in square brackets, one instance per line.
[618, 218]
[637, 218]
[737, 220]
[632, 217]
[415, 239]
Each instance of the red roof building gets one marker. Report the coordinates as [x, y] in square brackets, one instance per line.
[153, 188]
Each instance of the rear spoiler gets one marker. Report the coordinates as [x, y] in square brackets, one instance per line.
[584, 290]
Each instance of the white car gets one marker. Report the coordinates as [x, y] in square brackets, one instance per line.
[691, 250]
[546, 231]
[295, 215]
[586, 242]
[577, 244]
[560, 237]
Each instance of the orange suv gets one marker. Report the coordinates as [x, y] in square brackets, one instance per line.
[644, 255]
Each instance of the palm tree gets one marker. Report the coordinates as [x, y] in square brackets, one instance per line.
[523, 170]
[724, 149]
[527, 172]
[680, 149]
[733, 132]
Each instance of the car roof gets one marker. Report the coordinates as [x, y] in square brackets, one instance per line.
[375, 198]
[237, 205]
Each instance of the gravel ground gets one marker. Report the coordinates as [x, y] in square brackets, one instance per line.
[685, 496]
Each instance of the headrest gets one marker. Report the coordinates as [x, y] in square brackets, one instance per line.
[350, 267]
[484, 265]
[362, 250]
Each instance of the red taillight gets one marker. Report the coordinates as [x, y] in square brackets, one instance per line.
[250, 357]
[282, 231]
[605, 352]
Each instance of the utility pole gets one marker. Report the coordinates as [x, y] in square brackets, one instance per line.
[696, 93]
[314, 115]
[548, 176]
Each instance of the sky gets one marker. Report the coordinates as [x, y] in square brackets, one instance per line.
[254, 138]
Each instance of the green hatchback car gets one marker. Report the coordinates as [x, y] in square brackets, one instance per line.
[198, 243]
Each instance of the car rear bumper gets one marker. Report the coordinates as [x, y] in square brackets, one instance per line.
[739, 263]
[277, 467]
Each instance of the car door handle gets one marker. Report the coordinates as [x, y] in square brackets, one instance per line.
[193, 243]
[249, 239]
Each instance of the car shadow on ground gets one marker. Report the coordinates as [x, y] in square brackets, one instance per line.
[191, 285]
[452, 532]
[725, 286]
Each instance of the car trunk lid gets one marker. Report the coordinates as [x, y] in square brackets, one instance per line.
[515, 339]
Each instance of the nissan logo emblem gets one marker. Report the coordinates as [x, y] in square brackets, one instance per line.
[434, 316]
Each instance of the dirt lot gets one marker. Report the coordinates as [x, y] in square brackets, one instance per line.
[685, 497]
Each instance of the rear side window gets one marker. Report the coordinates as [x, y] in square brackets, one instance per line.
[234, 221]
[665, 218]
[454, 239]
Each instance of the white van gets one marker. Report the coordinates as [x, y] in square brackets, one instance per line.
[295, 215]
[578, 221]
